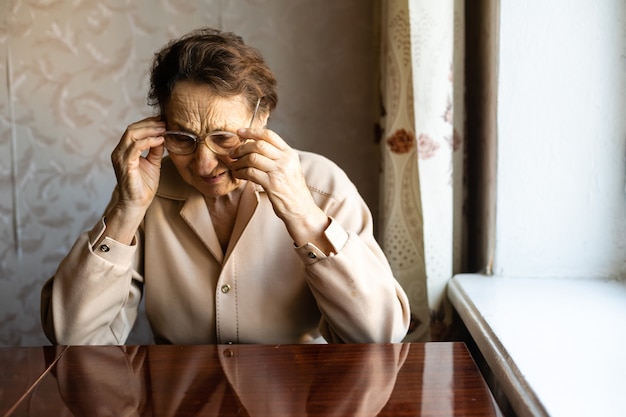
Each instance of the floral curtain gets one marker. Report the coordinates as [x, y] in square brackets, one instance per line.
[421, 213]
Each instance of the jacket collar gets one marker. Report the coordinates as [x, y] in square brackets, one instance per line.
[171, 184]
[195, 213]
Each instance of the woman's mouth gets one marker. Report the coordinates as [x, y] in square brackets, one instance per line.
[213, 179]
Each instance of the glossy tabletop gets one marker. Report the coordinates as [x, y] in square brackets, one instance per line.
[410, 379]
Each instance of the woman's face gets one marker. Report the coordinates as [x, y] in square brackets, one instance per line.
[194, 108]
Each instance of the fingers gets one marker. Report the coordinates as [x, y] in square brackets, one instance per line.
[138, 175]
[143, 135]
[267, 160]
[155, 153]
[140, 137]
[260, 147]
[264, 135]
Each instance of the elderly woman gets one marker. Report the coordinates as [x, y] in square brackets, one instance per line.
[234, 236]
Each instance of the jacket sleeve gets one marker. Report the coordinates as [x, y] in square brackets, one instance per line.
[359, 298]
[95, 293]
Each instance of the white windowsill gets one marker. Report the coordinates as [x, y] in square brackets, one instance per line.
[556, 346]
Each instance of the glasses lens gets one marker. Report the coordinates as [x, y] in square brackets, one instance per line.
[179, 143]
[223, 142]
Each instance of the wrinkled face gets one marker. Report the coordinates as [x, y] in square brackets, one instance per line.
[196, 109]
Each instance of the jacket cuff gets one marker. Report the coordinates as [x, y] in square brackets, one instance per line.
[109, 249]
[336, 235]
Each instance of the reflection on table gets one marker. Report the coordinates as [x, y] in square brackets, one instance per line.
[435, 379]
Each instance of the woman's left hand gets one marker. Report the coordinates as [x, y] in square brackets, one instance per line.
[266, 159]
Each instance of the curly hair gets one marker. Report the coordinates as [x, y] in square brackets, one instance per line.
[218, 59]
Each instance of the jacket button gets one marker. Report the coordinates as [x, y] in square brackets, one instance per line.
[104, 248]
[225, 288]
[312, 255]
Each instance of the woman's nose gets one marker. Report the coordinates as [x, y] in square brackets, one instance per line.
[206, 159]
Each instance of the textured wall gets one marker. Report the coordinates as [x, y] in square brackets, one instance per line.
[74, 75]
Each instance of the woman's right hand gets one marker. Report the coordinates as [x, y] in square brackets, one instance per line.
[138, 175]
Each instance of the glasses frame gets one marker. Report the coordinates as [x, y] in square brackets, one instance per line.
[196, 139]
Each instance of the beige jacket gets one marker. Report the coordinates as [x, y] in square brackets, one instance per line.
[262, 290]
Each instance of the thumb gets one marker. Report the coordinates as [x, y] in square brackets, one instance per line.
[155, 155]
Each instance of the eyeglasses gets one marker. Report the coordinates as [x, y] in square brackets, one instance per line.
[220, 142]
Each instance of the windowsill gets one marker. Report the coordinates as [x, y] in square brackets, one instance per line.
[556, 346]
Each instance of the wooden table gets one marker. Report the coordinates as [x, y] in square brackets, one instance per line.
[431, 379]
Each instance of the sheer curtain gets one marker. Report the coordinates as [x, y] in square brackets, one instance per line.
[422, 153]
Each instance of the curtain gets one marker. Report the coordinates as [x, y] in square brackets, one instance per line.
[422, 154]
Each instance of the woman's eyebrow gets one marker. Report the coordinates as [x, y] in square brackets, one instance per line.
[185, 128]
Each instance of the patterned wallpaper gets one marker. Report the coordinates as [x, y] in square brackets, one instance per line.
[74, 75]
